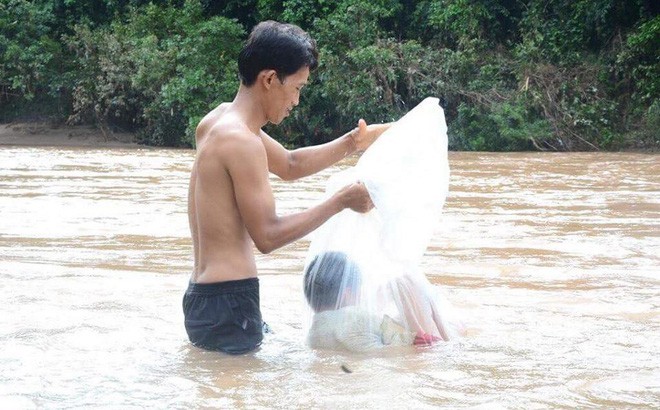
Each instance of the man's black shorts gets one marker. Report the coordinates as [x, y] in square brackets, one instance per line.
[224, 316]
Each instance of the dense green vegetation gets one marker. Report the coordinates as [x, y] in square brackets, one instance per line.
[511, 74]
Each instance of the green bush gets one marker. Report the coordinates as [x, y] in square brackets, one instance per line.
[500, 127]
[155, 72]
[30, 59]
[511, 75]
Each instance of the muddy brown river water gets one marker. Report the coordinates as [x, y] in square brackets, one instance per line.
[552, 259]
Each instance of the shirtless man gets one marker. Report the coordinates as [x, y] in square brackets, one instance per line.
[230, 201]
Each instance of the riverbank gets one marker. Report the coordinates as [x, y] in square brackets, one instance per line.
[45, 134]
[48, 134]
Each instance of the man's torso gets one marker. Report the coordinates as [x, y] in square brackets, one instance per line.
[223, 249]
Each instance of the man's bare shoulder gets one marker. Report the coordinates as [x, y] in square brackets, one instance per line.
[231, 133]
[209, 121]
[228, 140]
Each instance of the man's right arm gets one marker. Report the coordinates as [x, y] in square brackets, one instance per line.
[247, 164]
[301, 162]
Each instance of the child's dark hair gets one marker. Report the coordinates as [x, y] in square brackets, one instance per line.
[285, 48]
[326, 279]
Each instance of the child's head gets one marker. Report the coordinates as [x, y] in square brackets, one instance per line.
[331, 281]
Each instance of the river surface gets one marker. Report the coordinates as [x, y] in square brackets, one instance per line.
[553, 260]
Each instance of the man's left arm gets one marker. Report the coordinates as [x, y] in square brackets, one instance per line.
[290, 165]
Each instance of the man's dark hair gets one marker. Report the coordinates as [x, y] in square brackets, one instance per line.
[285, 48]
[327, 277]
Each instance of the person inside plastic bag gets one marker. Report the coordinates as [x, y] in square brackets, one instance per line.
[344, 320]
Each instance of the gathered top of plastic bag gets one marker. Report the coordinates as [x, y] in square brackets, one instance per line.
[362, 279]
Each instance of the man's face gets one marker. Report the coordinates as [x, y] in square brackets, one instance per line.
[286, 94]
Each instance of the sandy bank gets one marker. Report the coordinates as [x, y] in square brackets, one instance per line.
[40, 134]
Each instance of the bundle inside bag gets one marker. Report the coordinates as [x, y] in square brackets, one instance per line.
[362, 278]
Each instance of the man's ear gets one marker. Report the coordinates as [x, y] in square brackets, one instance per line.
[267, 78]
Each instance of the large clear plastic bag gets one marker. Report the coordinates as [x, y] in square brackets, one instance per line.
[362, 277]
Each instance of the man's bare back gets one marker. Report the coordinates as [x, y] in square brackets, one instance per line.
[222, 246]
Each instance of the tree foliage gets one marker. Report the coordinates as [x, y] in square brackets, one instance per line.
[511, 74]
